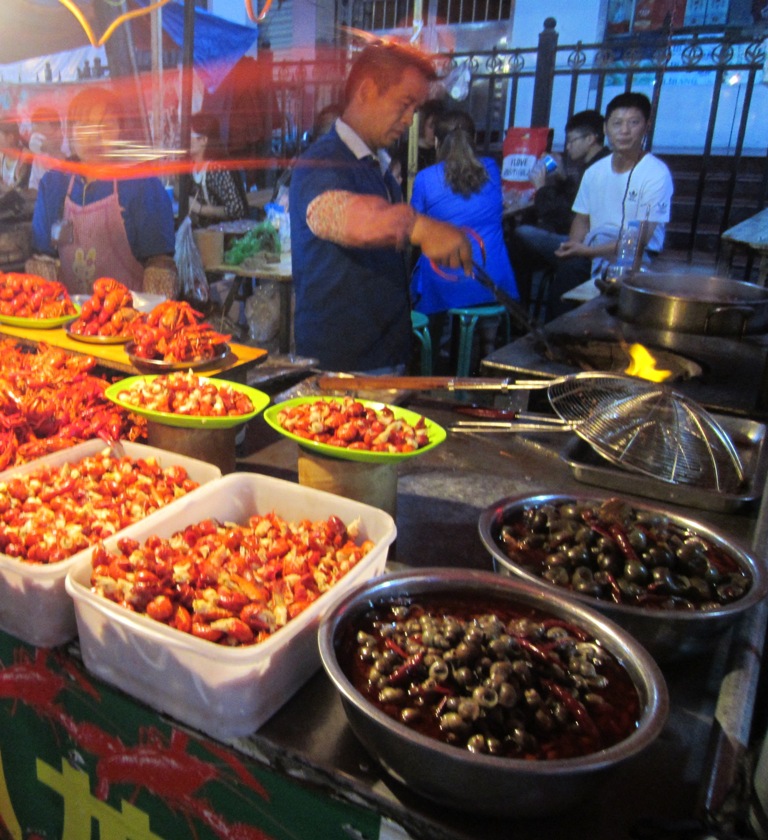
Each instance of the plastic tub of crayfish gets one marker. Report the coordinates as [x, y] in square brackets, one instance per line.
[34, 604]
[224, 691]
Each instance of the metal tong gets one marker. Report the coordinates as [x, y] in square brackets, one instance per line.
[344, 382]
[517, 312]
[523, 421]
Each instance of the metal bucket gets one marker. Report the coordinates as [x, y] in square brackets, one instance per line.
[216, 446]
[372, 484]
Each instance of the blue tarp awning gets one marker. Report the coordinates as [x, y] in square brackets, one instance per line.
[218, 43]
[37, 29]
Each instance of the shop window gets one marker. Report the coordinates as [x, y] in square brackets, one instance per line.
[386, 14]
[473, 11]
[637, 16]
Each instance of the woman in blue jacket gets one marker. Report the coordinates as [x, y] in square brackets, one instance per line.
[463, 189]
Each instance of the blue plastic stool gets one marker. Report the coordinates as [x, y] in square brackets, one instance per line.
[468, 317]
[420, 325]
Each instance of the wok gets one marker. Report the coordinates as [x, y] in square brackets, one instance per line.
[693, 303]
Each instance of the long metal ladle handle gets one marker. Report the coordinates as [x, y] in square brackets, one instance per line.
[426, 383]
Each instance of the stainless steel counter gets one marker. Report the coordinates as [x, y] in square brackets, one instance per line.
[440, 497]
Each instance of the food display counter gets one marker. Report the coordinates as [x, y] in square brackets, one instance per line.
[75, 750]
[235, 366]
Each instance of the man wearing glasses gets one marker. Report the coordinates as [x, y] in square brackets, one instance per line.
[532, 247]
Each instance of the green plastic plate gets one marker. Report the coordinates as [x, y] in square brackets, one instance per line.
[436, 433]
[188, 421]
[39, 323]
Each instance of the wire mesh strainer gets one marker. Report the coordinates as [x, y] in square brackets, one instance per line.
[649, 428]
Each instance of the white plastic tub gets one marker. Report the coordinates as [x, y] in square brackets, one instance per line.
[34, 605]
[225, 692]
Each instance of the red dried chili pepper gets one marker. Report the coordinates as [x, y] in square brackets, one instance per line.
[622, 540]
[393, 645]
[613, 531]
[404, 672]
[580, 634]
[616, 595]
[575, 707]
[536, 651]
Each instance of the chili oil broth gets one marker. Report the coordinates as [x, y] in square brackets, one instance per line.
[615, 718]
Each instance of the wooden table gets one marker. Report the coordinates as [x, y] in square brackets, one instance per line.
[234, 367]
[280, 273]
[750, 235]
[260, 198]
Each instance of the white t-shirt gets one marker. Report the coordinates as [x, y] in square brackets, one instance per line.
[609, 198]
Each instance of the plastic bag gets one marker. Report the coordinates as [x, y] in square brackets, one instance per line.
[522, 149]
[193, 284]
[457, 81]
[278, 217]
[262, 311]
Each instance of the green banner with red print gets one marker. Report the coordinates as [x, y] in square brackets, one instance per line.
[80, 760]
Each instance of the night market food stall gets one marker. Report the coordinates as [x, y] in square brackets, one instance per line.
[143, 728]
[174, 706]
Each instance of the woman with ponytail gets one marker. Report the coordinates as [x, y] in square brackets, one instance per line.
[465, 190]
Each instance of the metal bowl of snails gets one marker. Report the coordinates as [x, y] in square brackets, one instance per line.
[488, 694]
[674, 583]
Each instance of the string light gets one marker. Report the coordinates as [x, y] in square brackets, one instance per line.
[99, 42]
[252, 15]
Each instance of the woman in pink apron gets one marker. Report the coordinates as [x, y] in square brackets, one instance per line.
[102, 227]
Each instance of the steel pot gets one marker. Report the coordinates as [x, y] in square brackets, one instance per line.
[693, 303]
[478, 782]
[668, 635]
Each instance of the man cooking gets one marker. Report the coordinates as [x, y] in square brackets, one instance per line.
[349, 226]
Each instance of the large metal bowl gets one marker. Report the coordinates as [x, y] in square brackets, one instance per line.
[454, 776]
[667, 635]
[699, 304]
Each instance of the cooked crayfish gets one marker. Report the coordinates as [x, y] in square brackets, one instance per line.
[171, 315]
[52, 513]
[32, 296]
[186, 393]
[108, 312]
[228, 583]
[174, 332]
[50, 400]
[349, 424]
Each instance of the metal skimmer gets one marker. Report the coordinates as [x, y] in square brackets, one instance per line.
[649, 428]
[643, 426]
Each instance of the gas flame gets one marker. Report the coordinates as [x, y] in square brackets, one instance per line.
[643, 365]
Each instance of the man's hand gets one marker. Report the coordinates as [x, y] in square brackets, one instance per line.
[569, 248]
[443, 243]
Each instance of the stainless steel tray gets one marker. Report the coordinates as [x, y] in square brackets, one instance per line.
[276, 368]
[748, 438]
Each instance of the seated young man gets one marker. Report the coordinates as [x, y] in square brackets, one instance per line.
[532, 246]
[629, 185]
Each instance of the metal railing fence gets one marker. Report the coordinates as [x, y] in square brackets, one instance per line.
[544, 84]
